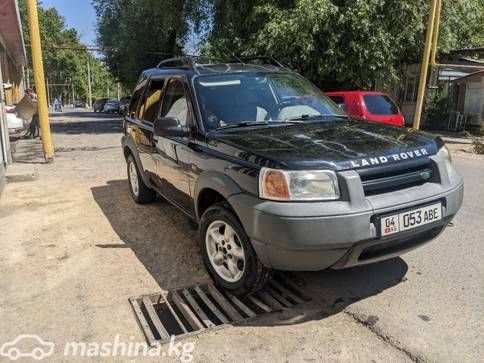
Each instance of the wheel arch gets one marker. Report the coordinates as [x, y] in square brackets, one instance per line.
[129, 148]
[213, 187]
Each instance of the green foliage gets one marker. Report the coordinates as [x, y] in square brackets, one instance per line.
[478, 147]
[340, 44]
[435, 115]
[65, 65]
[481, 130]
[142, 32]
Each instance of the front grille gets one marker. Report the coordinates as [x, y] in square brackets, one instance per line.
[384, 179]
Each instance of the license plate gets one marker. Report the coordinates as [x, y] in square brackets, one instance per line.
[410, 219]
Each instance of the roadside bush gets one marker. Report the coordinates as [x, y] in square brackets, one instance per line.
[478, 147]
[435, 113]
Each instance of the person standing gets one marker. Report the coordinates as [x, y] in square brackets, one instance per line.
[33, 130]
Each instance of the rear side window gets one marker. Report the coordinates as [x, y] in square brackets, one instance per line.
[138, 93]
[337, 99]
[380, 105]
[150, 105]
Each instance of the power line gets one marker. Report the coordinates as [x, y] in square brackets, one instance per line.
[94, 49]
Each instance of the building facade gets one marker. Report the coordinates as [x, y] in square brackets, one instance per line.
[12, 63]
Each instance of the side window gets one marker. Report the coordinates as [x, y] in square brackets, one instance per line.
[338, 99]
[175, 103]
[138, 93]
[150, 105]
[411, 89]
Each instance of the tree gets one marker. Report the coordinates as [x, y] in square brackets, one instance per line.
[140, 33]
[66, 65]
[340, 44]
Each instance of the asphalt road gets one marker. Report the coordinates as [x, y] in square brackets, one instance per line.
[75, 248]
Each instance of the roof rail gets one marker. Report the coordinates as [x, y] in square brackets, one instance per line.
[177, 62]
[189, 61]
[268, 58]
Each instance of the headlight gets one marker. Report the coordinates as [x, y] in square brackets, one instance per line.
[298, 185]
[444, 154]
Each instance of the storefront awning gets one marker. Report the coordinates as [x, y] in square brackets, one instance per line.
[11, 31]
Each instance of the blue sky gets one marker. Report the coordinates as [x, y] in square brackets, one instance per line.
[79, 14]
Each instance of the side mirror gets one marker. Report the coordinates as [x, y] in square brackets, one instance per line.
[169, 127]
[343, 107]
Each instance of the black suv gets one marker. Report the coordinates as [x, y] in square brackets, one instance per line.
[276, 176]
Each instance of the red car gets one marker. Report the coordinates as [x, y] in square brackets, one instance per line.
[368, 105]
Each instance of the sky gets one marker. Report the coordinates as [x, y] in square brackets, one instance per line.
[79, 14]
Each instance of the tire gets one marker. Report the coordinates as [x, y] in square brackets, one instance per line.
[246, 277]
[139, 191]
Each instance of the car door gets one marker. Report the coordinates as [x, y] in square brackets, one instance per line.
[145, 115]
[172, 156]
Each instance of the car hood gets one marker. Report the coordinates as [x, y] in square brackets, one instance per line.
[335, 145]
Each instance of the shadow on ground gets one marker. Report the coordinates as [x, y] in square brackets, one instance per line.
[82, 114]
[161, 238]
[105, 126]
[76, 122]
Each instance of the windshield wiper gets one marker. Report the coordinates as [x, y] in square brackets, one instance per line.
[312, 117]
[256, 123]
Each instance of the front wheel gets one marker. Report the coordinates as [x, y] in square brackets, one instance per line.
[139, 191]
[227, 252]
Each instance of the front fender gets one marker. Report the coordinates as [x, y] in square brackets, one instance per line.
[216, 181]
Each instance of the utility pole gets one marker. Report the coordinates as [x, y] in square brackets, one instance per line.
[119, 91]
[425, 66]
[89, 102]
[33, 20]
[24, 78]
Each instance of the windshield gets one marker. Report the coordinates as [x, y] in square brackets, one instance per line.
[227, 100]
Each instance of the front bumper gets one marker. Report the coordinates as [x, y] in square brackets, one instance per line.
[317, 235]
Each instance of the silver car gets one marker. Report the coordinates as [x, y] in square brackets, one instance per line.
[112, 106]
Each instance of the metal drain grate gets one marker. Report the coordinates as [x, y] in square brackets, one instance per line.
[197, 309]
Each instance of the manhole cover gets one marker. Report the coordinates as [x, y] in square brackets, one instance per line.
[197, 309]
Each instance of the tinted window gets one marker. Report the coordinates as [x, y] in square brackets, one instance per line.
[337, 99]
[138, 93]
[149, 107]
[380, 105]
[175, 103]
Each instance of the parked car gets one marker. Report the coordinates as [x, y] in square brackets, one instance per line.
[112, 106]
[123, 105]
[99, 104]
[79, 104]
[276, 176]
[369, 105]
[14, 122]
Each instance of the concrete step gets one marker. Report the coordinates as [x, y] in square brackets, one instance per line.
[18, 172]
